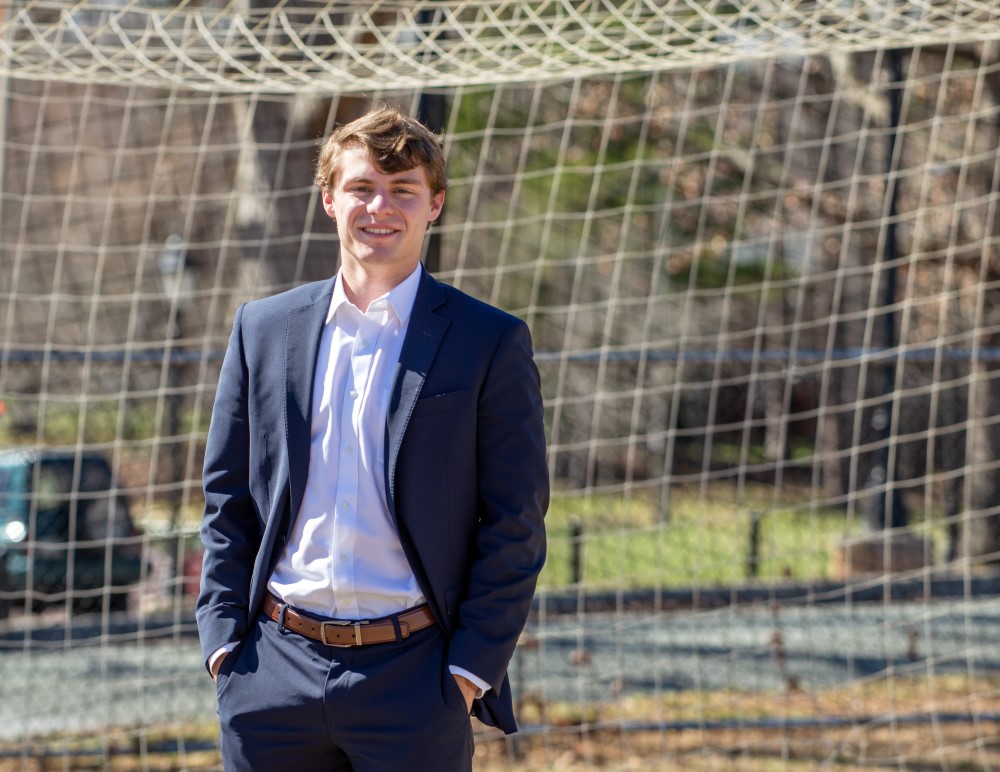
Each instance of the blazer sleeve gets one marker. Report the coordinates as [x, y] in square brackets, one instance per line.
[230, 530]
[513, 495]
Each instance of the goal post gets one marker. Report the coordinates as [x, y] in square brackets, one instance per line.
[756, 243]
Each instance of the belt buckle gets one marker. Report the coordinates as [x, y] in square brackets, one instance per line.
[345, 623]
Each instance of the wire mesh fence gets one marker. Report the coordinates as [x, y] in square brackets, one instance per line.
[756, 244]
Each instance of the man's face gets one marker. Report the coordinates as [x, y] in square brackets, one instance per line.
[381, 218]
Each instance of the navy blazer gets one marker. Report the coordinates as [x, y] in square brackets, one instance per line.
[465, 469]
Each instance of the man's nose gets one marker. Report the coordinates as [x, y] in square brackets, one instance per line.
[380, 202]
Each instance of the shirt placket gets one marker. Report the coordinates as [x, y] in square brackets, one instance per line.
[353, 452]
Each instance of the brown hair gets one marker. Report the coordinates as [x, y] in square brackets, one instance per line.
[395, 143]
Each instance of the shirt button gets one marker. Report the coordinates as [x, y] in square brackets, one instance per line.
[345, 505]
[364, 343]
[354, 393]
[348, 451]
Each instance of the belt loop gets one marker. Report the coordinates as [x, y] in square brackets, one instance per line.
[282, 608]
[397, 628]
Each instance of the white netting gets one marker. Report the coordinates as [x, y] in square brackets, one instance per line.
[313, 47]
[758, 245]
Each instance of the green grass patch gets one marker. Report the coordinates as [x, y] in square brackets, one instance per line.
[702, 538]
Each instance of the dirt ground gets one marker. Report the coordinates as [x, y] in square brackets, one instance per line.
[942, 723]
[946, 723]
[910, 748]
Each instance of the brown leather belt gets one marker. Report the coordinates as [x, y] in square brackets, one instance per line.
[347, 634]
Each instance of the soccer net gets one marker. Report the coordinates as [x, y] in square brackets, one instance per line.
[758, 245]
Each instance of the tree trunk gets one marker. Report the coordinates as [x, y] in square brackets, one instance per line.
[982, 518]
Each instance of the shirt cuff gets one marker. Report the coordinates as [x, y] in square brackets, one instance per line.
[218, 653]
[479, 682]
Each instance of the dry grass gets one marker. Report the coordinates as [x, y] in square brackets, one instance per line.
[910, 748]
[846, 729]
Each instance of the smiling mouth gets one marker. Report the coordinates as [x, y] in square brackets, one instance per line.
[379, 231]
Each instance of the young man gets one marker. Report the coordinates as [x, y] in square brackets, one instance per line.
[375, 483]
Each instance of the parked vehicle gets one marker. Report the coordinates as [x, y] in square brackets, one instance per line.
[66, 534]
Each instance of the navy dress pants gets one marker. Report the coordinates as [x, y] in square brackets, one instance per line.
[287, 702]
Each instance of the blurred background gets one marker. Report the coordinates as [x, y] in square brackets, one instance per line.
[758, 246]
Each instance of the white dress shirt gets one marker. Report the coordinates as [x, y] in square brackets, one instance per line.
[343, 558]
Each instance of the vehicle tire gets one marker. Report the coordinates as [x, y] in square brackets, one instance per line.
[118, 600]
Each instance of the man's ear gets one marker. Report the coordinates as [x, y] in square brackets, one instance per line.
[328, 204]
[437, 204]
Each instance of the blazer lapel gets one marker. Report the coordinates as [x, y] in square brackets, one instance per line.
[423, 337]
[303, 328]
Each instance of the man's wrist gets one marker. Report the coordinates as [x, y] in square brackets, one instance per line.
[469, 690]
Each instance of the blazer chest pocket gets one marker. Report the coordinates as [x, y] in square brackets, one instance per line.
[444, 403]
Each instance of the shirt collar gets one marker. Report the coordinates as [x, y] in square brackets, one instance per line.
[400, 298]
